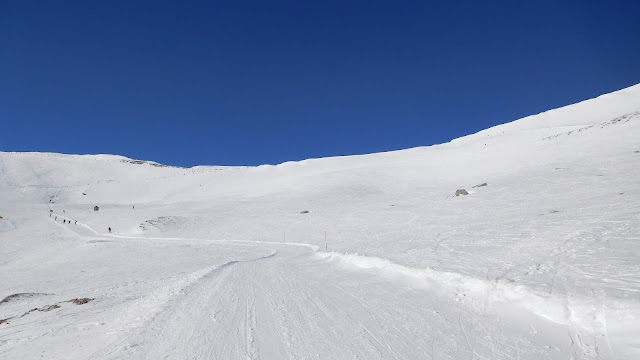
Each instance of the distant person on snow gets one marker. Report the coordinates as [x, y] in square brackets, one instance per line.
[109, 228]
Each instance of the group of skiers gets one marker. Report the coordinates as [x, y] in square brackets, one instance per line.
[76, 221]
[64, 221]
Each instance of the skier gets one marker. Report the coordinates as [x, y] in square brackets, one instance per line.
[109, 228]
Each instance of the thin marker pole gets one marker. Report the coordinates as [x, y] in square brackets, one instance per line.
[326, 247]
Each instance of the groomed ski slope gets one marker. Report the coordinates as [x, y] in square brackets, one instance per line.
[542, 262]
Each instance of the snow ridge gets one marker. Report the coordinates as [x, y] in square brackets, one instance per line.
[588, 314]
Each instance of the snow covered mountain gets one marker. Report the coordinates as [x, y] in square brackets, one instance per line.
[368, 256]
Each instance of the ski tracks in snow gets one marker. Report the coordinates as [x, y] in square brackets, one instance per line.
[181, 313]
[290, 305]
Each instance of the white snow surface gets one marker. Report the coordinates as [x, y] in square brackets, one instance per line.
[543, 262]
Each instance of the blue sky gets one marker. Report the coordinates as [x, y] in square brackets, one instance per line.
[246, 83]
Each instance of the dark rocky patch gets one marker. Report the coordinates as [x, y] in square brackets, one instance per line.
[152, 163]
[20, 296]
[81, 301]
[43, 309]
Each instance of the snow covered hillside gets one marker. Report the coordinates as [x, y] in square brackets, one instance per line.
[540, 260]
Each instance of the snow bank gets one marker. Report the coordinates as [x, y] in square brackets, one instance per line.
[589, 314]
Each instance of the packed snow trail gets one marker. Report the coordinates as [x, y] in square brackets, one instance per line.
[189, 298]
[289, 304]
[195, 298]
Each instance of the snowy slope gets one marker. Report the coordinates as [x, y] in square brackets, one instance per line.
[219, 262]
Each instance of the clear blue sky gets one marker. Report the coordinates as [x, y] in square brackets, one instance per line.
[253, 82]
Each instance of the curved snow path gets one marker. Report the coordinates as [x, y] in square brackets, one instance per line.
[290, 305]
[173, 298]
[290, 301]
